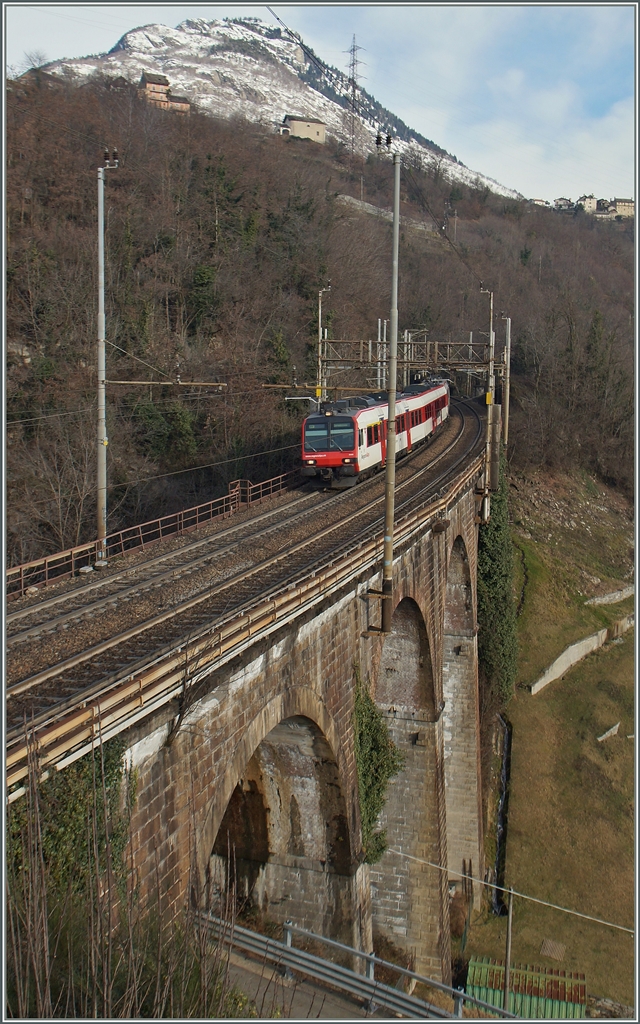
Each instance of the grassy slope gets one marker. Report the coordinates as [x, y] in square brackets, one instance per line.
[571, 828]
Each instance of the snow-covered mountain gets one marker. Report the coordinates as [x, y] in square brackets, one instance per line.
[245, 67]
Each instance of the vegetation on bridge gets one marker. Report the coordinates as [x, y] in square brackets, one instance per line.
[377, 760]
[497, 637]
[81, 943]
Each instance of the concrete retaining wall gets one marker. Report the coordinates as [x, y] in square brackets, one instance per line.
[576, 652]
[617, 595]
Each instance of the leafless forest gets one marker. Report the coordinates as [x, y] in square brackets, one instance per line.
[218, 236]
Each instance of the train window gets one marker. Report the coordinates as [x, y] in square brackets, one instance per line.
[373, 434]
[360, 438]
[331, 433]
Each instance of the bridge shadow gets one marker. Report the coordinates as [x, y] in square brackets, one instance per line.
[283, 846]
[461, 719]
[409, 899]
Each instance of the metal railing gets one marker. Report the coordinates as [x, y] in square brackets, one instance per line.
[374, 993]
[64, 564]
[78, 724]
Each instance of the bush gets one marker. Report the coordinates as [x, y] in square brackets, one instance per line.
[377, 759]
[497, 637]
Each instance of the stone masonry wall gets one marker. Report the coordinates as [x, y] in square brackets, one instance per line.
[304, 671]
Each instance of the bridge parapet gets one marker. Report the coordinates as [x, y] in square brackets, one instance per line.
[274, 726]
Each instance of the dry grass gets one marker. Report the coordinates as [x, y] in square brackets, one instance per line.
[570, 837]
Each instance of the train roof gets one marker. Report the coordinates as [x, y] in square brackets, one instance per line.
[355, 403]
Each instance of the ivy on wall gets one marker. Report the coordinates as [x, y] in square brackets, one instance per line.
[497, 636]
[77, 813]
[377, 760]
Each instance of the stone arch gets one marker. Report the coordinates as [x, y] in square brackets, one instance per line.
[284, 837]
[405, 675]
[409, 896]
[461, 717]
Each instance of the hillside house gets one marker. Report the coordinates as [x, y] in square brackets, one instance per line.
[303, 128]
[156, 90]
[588, 203]
[624, 207]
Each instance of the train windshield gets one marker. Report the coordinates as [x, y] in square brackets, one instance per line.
[329, 434]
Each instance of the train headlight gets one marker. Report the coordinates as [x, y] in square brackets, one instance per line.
[309, 462]
[348, 462]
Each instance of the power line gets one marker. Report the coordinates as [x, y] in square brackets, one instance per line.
[47, 416]
[131, 356]
[157, 401]
[438, 222]
[320, 65]
[522, 895]
[177, 472]
[213, 465]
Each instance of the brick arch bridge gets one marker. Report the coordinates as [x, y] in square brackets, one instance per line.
[259, 784]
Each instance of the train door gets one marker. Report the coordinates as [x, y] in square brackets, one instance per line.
[383, 440]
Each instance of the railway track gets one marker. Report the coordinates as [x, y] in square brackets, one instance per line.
[247, 581]
[213, 557]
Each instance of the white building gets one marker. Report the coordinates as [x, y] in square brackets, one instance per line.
[589, 203]
[303, 128]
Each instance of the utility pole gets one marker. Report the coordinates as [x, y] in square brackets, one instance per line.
[507, 382]
[319, 388]
[390, 477]
[507, 963]
[490, 394]
[103, 441]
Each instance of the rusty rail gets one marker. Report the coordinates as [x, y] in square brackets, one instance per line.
[64, 564]
[59, 737]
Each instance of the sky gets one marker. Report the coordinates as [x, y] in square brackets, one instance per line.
[539, 97]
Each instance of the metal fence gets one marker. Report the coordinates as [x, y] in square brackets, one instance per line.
[373, 993]
[64, 564]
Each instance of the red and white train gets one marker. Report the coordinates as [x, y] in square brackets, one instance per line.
[346, 441]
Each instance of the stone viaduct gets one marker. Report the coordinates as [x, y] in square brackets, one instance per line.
[259, 783]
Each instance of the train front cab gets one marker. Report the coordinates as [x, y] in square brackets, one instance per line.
[329, 452]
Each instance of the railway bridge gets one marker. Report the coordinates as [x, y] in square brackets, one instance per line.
[241, 729]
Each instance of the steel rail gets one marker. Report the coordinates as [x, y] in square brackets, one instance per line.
[412, 525]
[229, 645]
[232, 582]
[63, 564]
[140, 585]
[156, 580]
[96, 717]
[104, 581]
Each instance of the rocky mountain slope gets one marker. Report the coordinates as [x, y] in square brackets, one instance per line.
[244, 67]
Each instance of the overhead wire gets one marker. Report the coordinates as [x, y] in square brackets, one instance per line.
[130, 355]
[522, 895]
[438, 221]
[157, 401]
